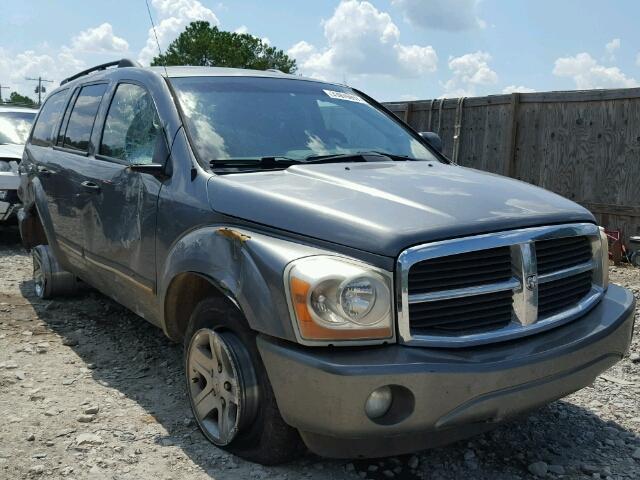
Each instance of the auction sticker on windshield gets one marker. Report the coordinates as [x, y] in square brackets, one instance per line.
[349, 97]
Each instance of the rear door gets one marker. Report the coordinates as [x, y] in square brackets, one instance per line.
[69, 166]
[121, 220]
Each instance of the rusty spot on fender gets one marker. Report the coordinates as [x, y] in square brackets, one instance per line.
[233, 235]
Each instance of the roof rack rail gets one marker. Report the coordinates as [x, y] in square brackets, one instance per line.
[125, 62]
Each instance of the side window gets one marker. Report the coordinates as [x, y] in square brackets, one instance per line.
[83, 116]
[132, 126]
[49, 116]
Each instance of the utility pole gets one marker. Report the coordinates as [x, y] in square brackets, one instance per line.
[39, 89]
[1, 87]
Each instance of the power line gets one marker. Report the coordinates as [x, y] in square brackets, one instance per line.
[39, 88]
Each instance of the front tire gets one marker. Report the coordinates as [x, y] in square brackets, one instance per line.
[228, 388]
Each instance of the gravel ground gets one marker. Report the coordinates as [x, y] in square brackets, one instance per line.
[89, 390]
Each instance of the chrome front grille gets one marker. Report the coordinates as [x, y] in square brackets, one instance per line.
[494, 287]
[559, 253]
[489, 266]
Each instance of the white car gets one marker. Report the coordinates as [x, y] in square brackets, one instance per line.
[15, 125]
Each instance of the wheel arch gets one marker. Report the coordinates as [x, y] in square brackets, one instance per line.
[243, 266]
[185, 291]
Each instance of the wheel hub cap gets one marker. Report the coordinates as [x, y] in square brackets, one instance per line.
[38, 274]
[215, 386]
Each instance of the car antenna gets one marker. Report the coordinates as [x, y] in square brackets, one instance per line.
[155, 34]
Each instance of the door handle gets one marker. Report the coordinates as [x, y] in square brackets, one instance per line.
[90, 186]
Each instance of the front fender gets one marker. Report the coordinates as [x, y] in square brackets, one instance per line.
[247, 266]
[34, 201]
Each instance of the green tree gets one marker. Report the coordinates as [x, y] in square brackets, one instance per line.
[204, 45]
[23, 100]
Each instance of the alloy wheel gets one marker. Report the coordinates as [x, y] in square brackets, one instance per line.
[38, 274]
[221, 384]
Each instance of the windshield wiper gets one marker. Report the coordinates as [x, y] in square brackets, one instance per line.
[260, 163]
[268, 163]
[349, 157]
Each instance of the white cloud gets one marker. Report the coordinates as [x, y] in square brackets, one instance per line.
[99, 40]
[469, 71]
[241, 29]
[14, 68]
[518, 89]
[89, 47]
[611, 49]
[587, 73]
[453, 15]
[172, 16]
[361, 40]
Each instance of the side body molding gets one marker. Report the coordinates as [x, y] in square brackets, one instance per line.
[247, 266]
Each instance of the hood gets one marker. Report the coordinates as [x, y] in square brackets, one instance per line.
[11, 151]
[385, 207]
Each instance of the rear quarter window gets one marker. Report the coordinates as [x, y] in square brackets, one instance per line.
[50, 113]
[83, 116]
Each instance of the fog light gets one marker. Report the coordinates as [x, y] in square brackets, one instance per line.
[379, 402]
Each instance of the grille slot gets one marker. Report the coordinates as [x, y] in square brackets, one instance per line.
[462, 270]
[559, 253]
[564, 293]
[464, 314]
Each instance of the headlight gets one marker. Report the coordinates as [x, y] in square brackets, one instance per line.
[604, 257]
[4, 166]
[339, 299]
[4, 194]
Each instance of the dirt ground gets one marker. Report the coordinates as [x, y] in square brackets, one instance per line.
[90, 391]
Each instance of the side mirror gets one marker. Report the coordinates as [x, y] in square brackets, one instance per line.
[433, 139]
[161, 164]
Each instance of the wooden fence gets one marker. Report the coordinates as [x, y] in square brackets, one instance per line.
[584, 145]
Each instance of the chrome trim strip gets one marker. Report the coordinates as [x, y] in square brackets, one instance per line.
[512, 284]
[566, 272]
[525, 304]
[525, 301]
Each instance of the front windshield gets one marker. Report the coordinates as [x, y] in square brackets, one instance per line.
[251, 118]
[15, 127]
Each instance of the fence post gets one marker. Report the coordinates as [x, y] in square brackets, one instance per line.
[430, 115]
[512, 140]
[407, 113]
[457, 130]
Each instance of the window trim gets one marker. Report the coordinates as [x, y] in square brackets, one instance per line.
[76, 94]
[56, 127]
[65, 120]
[107, 158]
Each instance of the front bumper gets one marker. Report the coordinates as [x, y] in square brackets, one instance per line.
[456, 392]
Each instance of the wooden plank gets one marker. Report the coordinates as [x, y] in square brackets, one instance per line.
[607, 209]
[581, 95]
[510, 150]
[407, 113]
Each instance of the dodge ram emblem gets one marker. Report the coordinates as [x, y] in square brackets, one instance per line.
[532, 282]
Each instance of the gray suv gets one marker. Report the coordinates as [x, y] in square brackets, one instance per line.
[335, 280]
